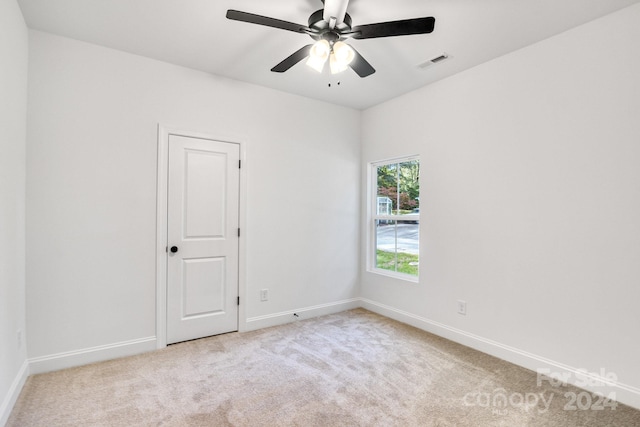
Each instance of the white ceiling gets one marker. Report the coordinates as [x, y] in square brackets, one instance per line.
[196, 34]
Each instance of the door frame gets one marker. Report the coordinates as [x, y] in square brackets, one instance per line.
[161, 224]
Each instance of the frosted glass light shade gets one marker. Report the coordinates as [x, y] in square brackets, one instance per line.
[336, 66]
[341, 57]
[344, 53]
[318, 55]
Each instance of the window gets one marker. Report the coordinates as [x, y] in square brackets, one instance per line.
[395, 213]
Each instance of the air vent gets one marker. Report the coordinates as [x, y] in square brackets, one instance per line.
[433, 60]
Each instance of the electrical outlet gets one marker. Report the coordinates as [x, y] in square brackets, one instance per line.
[462, 307]
[264, 294]
[19, 337]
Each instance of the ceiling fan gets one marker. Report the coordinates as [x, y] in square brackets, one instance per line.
[330, 27]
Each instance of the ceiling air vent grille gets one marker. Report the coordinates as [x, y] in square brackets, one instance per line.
[433, 60]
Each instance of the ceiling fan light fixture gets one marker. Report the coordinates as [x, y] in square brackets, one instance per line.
[336, 65]
[340, 58]
[318, 55]
[343, 52]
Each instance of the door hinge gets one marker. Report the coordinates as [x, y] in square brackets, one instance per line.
[238, 300]
[238, 232]
[166, 249]
[239, 164]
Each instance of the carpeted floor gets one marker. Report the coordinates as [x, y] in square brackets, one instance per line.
[349, 369]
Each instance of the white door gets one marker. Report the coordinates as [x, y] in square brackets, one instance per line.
[202, 235]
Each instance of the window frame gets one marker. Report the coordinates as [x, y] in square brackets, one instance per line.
[373, 216]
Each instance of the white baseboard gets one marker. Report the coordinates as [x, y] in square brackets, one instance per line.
[623, 393]
[13, 393]
[85, 356]
[281, 318]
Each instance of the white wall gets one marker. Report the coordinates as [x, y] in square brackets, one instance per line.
[91, 191]
[530, 202]
[13, 109]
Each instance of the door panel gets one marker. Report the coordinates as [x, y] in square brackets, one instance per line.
[203, 286]
[205, 185]
[202, 218]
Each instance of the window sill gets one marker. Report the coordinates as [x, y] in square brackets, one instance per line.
[394, 274]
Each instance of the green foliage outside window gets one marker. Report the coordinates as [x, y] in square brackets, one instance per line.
[401, 183]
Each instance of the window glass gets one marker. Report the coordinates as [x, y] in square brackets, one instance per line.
[397, 245]
[396, 217]
[409, 186]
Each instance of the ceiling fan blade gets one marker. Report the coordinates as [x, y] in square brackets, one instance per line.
[360, 65]
[404, 27]
[292, 60]
[252, 18]
[335, 9]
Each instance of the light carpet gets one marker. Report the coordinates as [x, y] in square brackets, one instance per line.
[354, 368]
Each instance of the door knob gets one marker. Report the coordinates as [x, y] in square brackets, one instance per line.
[174, 249]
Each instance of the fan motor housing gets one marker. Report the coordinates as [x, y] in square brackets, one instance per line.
[317, 23]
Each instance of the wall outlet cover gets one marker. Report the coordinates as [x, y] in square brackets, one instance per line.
[462, 307]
